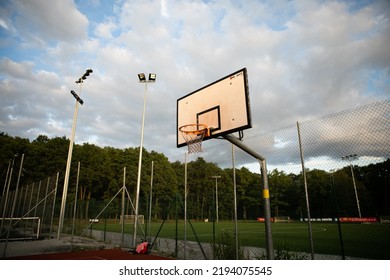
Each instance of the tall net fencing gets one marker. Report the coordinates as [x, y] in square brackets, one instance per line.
[29, 212]
[346, 159]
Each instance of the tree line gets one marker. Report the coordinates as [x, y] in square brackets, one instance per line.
[101, 176]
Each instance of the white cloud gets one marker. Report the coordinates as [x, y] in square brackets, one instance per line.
[3, 24]
[104, 30]
[164, 9]
[16, 70]
[304, 59]
[57, 20]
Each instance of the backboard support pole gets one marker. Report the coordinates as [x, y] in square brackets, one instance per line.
[267, 207]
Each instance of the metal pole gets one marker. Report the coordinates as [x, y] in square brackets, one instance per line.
[150, 201]
[44, 204]
[54, 205]
[75, 200]
[176, 228]
[31, 198]
[353, 180]
[13, 206]
[123, 207]
[6, 179]
[20, 173]
[67, 171]
[267, 209]
[139, 169]
[25, 200]
[337, 217]
[2, 204]
[37, 201]
[266, 199]
[185, 205]
[306, 193]
[216, 195]
[19, 202]
[7, 194]
[235, 200]
[213, 215]
[356, 194]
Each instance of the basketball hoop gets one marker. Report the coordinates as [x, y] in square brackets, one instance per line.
[193, 134]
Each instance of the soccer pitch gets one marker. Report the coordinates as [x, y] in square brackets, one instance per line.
[369, 241]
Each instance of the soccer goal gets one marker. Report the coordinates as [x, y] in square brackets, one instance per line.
[282, 219]
[20, 228]
[129, 219]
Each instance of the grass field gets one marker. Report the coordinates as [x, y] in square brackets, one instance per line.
[371, 241]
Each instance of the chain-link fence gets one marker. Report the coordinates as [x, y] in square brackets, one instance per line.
[333, 169]
[28, 212]
[346, 159]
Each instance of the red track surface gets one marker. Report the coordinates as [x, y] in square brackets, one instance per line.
[107, 254]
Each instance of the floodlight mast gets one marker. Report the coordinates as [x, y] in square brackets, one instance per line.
[70, 151]
[142, 79]
[349, 158]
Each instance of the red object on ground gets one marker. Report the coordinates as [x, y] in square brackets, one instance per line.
[142, 248]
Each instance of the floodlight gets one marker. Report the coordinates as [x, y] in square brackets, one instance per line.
[75, 95]
[141, 77]
[152, 77]
[84, 77]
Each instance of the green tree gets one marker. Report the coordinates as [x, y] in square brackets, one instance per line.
[279, 185]
[165, 183]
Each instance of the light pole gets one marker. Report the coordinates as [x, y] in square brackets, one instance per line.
[150, 201]
[142, 79]
[349, 158]
[337, 214]
[66, 180]
[185, 206]
[216, 177]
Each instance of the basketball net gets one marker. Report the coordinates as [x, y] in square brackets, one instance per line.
[193, 134]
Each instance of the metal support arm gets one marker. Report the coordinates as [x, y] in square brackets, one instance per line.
[267, 207]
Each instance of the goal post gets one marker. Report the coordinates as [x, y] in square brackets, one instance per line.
[129, 219]
[21, 228]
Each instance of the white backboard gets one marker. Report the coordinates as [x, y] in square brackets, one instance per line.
[222, 105]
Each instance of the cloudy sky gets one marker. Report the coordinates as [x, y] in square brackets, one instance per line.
[304, 59]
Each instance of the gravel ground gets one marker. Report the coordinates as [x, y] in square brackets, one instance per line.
[46, 246]
[165, 246]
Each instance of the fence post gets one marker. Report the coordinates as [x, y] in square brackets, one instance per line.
[306, 193]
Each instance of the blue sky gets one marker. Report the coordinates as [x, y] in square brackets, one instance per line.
[304, 59]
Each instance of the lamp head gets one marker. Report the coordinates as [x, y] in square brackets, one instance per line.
[75, 95]
[142, 78]
[152, 77]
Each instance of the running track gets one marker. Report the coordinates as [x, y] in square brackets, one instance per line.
[106, 254]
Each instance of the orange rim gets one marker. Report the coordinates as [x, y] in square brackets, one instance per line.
[189, 130]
